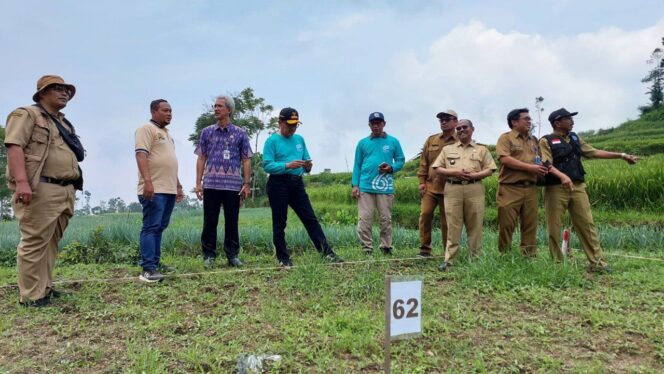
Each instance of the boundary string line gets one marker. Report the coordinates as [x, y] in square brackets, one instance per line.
[259, 269]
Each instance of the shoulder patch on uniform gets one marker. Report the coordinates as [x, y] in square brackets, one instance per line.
[16, 113]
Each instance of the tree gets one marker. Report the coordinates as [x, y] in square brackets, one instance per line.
[252, 114]
[656, 79]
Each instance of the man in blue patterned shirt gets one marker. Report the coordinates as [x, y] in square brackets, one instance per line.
[223, 177]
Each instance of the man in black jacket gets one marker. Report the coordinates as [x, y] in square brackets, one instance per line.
[565, 188]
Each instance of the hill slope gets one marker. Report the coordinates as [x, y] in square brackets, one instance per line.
[644, 136]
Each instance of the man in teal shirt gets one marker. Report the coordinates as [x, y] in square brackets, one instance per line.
[377, 158]
[285, 158]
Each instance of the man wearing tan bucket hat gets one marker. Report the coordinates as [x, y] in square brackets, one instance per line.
[43, 153]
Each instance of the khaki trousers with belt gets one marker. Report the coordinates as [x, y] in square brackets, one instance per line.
[42, 224]
[431, 201]
[464, 206]
[557, 199]
[366, 204]
[516, 203]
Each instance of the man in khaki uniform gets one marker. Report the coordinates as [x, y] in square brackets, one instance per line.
[43, 172]
[516, 198]
[464, 164]
[432, 183]
[565, 188]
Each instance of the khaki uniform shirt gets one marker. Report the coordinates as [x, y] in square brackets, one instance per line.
[60, 161]
[432, 146]
[521, 147]
[587, 150]
[162, 161]
[472, 157]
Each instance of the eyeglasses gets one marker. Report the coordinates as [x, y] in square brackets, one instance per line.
[60, 88]
[293, 127]
[462, 128]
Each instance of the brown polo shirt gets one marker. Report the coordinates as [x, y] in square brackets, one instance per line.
[472, 157]
[432, 146]
[157, 143]
[521, 147]
[60, 161]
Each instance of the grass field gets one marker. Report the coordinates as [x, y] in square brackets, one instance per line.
[498, 314]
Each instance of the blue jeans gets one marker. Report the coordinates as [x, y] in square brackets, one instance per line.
[156, 215]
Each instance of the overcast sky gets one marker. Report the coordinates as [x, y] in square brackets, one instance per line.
[334, 61]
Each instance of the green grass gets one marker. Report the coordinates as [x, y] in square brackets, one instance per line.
[498, 314]
[494, 314]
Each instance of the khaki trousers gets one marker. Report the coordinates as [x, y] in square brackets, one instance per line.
[557, 199]
[464, 205]
[42, 224]
[517, 204]
[366, 204]
[431, 201]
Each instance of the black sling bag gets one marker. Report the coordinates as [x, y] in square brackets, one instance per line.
[70, 138]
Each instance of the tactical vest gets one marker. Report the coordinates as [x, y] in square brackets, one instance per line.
[566, 158]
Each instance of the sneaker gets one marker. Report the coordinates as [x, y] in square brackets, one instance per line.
[425, 254]
[39, 303]
[165, 268]
[208, 262]
[332, 257]
[235, 262]
[386, 250]
[286, 264]
[151, 276]
[445, 266]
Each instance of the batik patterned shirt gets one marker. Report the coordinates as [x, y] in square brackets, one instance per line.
[224, 148]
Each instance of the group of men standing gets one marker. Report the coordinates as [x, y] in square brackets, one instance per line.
[43, 153]
[451, 166]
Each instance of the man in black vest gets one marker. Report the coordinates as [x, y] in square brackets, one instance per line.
[565, 188]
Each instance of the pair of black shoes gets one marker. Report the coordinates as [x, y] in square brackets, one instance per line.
[44, 301]
[235, 262]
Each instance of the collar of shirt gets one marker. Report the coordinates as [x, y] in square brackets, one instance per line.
[383, 135]
[471, 144]
[158, 125]
[444, 139]
[561, 134]
[515, 134]
[226, 128]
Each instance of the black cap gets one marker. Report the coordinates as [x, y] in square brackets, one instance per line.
[560, 113]
[290, 115]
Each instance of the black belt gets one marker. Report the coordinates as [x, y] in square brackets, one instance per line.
[59, 182]
[450, 181]
[521, 184]
[286, 177]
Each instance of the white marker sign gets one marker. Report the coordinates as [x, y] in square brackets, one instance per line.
[404, 308]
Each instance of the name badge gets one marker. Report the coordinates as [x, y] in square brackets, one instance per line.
[226, 154]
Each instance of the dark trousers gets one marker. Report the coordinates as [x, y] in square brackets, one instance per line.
[288, 190]
[156, 215]
[212, 202]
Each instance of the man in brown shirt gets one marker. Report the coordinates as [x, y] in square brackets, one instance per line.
[431, 183]
[566, 189]
[464, 164]
[42, 171]
[516, 199]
